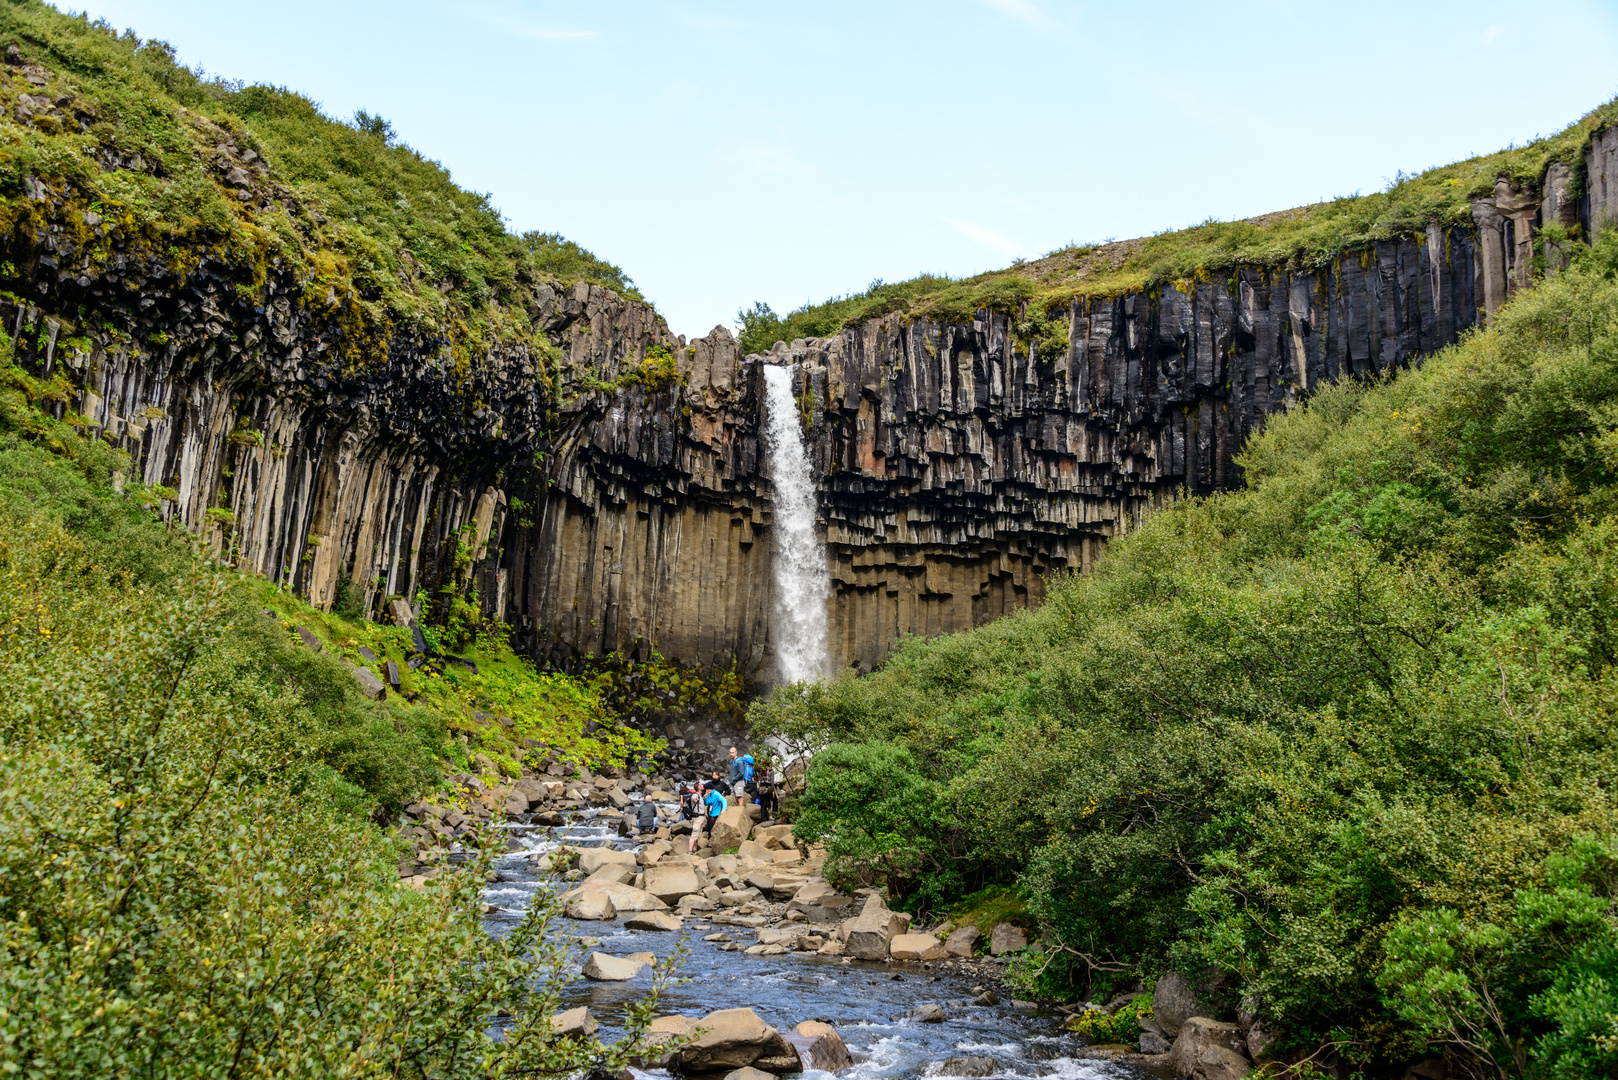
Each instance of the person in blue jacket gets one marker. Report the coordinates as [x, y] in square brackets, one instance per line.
[715, 804]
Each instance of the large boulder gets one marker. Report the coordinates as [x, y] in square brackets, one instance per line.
[670, 881]
[1006, 938]
[819, 902]
[1209, 1049]
[819, 1046]
[916, 947]
[593, 906]
[776, 837]
[963, 942]
[654, 920]
[731, 829]
[1174, 1002]
[612, 874]
[593, 859]
[868, 935]
[604, 968]
[663, 1030]
[732, 1038]
[624, 897]
[747, 1072]
[576, 1022]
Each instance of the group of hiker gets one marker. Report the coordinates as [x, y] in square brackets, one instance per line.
[703, 803]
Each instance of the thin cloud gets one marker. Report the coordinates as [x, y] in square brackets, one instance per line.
[1022, 11]
[767, 159]
[987, 237]
[1493, 32]
[529, 30]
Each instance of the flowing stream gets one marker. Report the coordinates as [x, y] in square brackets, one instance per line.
[801, 580]
[863, 1000]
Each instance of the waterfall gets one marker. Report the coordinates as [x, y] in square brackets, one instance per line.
[801, 580]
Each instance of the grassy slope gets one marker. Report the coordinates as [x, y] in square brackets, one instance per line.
[366, 224]
[1309, 236]
[1342, 738]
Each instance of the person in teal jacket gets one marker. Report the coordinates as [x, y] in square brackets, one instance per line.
[715, 804]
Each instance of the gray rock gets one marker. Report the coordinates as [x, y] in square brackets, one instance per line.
[654, 920]
[968, 1066]
[370, 685]
[819, 1046]
[1174, 1002]
[930, 1013]
[1006, 938]
[867, 936]
[575, 1022]
[310, 641]
[606, 968]
[1210, 1049]
[963, 942]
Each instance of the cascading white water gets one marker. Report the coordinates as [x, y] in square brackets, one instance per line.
[801, 579]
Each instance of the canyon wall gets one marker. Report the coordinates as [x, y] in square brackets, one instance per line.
[599, 500]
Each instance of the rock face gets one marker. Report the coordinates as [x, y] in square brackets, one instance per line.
[600, 503]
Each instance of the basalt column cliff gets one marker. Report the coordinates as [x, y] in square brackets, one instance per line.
[602, 485]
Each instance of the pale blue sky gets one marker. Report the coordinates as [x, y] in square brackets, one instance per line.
[723, 153]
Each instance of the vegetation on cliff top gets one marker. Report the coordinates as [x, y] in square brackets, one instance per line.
[178, 164]
[1342, 741]
[1308, 237]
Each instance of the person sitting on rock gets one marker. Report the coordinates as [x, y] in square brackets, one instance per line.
[715, 804]
[646, 816]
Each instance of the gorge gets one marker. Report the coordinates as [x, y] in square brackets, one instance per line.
[602, 485]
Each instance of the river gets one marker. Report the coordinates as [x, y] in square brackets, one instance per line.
[865, 1001]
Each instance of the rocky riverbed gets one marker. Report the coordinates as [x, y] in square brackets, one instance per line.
[761, 949]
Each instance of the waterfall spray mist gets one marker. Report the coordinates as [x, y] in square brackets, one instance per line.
[801, 579]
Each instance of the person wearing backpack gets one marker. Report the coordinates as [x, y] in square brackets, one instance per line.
[715, 804]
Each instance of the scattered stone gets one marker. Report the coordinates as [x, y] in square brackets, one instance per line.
[967, 1066]
[1006, 938]
[717, 937]
[985, 998]
[735, 1038]
[604, 968]
[867, 936]
[963, 942]
[624, 897]
[309, 640]
[372, 687]
[671, 882]
[577, 1022]
[819, 1046]
[1210, 1049]
[593, 907]
[594, 859]
[747, 1072]
[1174, 1002]
[916, 947]
[654, 920]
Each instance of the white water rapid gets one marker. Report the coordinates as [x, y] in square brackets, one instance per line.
[801, 580]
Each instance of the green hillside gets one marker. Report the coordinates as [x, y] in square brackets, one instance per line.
[1341, 742]
[175, 164]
